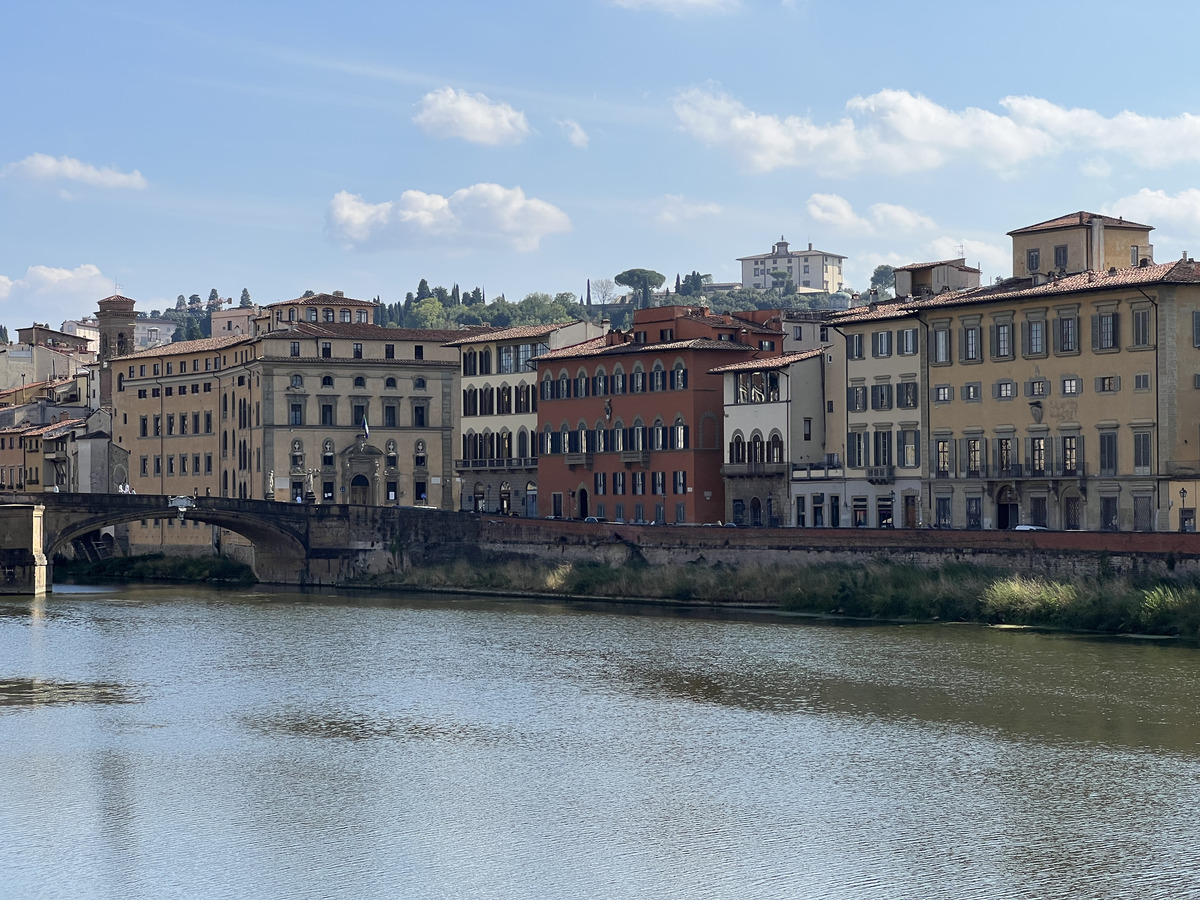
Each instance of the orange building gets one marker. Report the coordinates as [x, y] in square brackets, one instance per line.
[630, 424]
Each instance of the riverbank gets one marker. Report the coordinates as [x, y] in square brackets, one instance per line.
[956, 592]
[214, 570]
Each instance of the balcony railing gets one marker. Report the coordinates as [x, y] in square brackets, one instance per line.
[881, 474]
[1014, 471]
[816, 472]
[635, 456]
[512, 462]
[578, 459]
[746, 469]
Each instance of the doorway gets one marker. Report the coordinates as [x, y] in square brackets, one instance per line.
[360, 490]
[584, 512]
[1008, 512]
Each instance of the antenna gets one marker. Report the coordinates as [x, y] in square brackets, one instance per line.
[962, 250]
[117, 288]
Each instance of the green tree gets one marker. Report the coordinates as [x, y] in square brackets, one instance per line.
[3, 334]
[192, 331]
[883, 280]
[213, 296]
[194, 301]
[644, 280]
[177, 334]
[180, 302]
[246, 301]
[308, 294]
[427, 313]
[475, 298]
[423, 290]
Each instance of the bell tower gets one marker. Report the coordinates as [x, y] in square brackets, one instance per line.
[115, 319]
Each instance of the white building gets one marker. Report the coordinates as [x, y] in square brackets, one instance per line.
[812, 270]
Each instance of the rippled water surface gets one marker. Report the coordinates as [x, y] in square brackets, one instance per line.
[159, 743]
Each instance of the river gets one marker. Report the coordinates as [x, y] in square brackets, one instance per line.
[167, 742]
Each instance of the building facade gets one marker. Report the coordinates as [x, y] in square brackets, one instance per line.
[816, 270]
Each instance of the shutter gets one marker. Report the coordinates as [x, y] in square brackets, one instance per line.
[962, 343]
[1025, 338]
[1050, 457]
[1117, 383]
[916, 441]
[995, 389]
[875, 343]
[1097, 384]
[933, 454]
[983, 455]
[1095, 332]
[1028, 458]
[960, 457]
[1196, 329]
[994, 341]
[1057, 451]
[850, 399]
[1116, 329]
[686, 437]
[1056, 334]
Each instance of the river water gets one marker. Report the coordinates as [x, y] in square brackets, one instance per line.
[189, 743]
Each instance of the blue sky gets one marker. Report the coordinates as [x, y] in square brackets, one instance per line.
[173, 148]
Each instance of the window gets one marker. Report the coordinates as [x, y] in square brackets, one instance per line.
[909, 454]
[389, 383]
[389, 417]
[360, 382]
[358, 351]
[639, 482]
[1003, 348]
[972, 391]
[970, 345]
[600, 483]
[658, 482]
[1104, 331]
[1142, 462]
[854, 346]
[1133, 255]
[943, 393]
[1108, 514]
[1005, 458]
[1072, 386]
[941, 345]
[882, 448]
[1037, 388]
[1004, 390]
[679, 482]
[419, 416]
[797, 333]
[1108, 453]
[856, 398]
[807, 429]
[881, 396]
[1070, 455]
[881, 344]
[854, 450]
[618, 483]
[906, 395]
[1108, 384]
[345, 317]
[1037, 456]
[906, 343]
[1141, 328]
[1035, 337]
[943, 459]
[1067, 335]
[974, 458]
[296, 414]
[1141, 382]
[326, 349]
[1033, 260]
[295, 348]
[144, 426]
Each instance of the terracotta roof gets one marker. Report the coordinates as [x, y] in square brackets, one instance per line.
[1177, 272]
[791, 252]
[1075, 219]
[48, 430]
[516, 333]
[960, 264]
[201, 345]
[321, 300]
[768, 362]
[362, 330]
[597, 347]
[896, 309]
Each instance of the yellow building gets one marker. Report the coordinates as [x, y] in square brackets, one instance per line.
[1079, 242]
[1070, 404]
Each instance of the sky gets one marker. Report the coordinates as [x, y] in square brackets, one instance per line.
[156, 149]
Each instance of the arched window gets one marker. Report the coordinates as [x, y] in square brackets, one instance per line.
[485, 362]
[389, 383]
[470, 402]
[328, 315]
[583, 437]
[345, 315]
[637, 435]
[312, 314]
[618, 380]
[504, 445]
[548, 387]
[564, 386]
[601, 382]
[679, 377]
[601, 438]
[291, 315]
[637, 380]
[419, 384]
[327, 454]
[581, 383]
[297, 380]
[327, 381]
[679, 434]
[522, 444]
[419, 455]
[469, 363]
[360, 382]
[618, 436]
[757, 449]
[658, 377]
[391, 454]
[775, 449]
[120, 381]
[737, 450]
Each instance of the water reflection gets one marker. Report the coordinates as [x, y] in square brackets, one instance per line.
[33, 692]
[363, 726]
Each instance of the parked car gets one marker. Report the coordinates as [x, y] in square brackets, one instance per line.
[1030, 528]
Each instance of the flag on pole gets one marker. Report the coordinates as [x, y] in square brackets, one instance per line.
[366, 427]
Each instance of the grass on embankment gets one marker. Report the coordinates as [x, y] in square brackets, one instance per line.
[875, 590]
[157, 567]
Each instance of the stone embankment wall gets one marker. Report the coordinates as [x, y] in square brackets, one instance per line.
[1059, 554]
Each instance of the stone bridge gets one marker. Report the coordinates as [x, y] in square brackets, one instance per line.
[296, 544]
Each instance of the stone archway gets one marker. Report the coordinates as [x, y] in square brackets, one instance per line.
[360, 490]
[1008, 508]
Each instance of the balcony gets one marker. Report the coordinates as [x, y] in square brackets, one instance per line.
[751, 469]
[497, 464]
[881, 474]
[578, 459]
[636, 456]
[817, 472]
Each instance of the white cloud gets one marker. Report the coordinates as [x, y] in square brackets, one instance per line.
[1095, 167]
[674, 208]
[42, 167]
[472, 117]
[897, 131]
[1178, 212]
[681, 7]
[837, 211]
[51, 294]
[992, 258]
[482, 214]
[574, 133]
